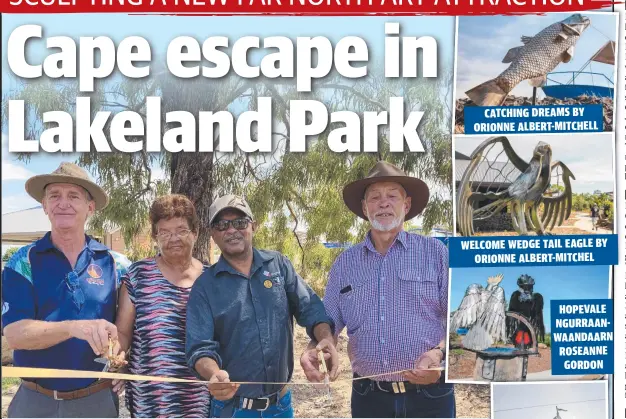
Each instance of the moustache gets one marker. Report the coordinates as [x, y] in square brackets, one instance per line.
[233, 237]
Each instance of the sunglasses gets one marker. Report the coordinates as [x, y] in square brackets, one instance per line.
[238, 223]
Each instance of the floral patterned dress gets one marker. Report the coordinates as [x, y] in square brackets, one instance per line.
[158, 347]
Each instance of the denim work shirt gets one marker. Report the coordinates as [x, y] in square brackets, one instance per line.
[246, 324]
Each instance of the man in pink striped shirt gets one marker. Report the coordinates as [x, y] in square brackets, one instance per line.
[391, 293]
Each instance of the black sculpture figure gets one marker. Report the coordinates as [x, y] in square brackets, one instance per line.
[530, 305]
[558, 415]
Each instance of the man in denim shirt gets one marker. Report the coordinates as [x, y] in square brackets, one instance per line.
[240, 319]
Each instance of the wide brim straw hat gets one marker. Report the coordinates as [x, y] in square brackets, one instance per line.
[67, 173]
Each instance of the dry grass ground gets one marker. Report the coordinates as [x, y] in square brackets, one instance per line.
[473, 401]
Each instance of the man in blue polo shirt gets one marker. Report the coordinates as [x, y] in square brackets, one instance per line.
[59, 298]
[240, 320]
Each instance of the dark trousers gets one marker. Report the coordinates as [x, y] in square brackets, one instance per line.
[30, 404]
[432, 401]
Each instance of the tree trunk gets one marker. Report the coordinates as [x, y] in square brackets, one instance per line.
[197, 185]
[192, 173]
[212, 258]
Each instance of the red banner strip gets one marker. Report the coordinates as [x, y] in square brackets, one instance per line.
[305, 7]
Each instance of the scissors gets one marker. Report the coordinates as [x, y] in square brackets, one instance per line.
[324, 370]
[105, 361]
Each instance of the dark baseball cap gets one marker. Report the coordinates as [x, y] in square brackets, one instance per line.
[229, 202]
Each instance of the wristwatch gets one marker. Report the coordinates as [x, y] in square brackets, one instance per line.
[443, 352]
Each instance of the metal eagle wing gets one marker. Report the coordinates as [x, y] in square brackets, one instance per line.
[469, 310]
[491, 327]
[557, 208]
[478, 166]
[494, 315]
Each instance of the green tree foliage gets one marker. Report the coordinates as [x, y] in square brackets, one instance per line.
[584, 202]
[289, 192]
[137, 251]
[553, 189]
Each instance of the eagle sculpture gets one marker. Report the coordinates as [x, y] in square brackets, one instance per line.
[519, 185]
[483, 312]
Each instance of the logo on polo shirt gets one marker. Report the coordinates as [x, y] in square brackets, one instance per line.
[5, 308]
[95, 281]
[94, 271]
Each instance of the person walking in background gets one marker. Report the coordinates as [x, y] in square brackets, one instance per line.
[391, 293]
[152, 312]
[59, 298]
[595, 214]
[240, 319]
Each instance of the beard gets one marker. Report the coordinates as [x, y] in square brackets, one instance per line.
[377, 225]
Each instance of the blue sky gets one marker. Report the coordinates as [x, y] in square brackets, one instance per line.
[532, 398]
[588, 156]
[484, 41]
[553, 282]
[160, 30]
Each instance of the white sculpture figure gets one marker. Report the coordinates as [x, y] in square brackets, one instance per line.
[482, 310]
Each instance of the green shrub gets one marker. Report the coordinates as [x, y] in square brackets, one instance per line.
[136, 252]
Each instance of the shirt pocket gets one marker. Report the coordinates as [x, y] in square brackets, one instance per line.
[356, 306]
[420, 290]
[276, 287]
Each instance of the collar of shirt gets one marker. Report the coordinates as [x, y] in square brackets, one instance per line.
[400, 238]
[45, 244]
[259, 257]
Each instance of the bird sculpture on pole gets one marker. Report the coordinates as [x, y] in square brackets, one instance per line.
[558, 416]
[529, 303]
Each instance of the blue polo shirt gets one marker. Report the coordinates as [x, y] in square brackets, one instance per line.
[38, 283]
[246, 324]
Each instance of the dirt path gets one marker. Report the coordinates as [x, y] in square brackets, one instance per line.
[578, 223]
[583, 222]
[473, 401]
